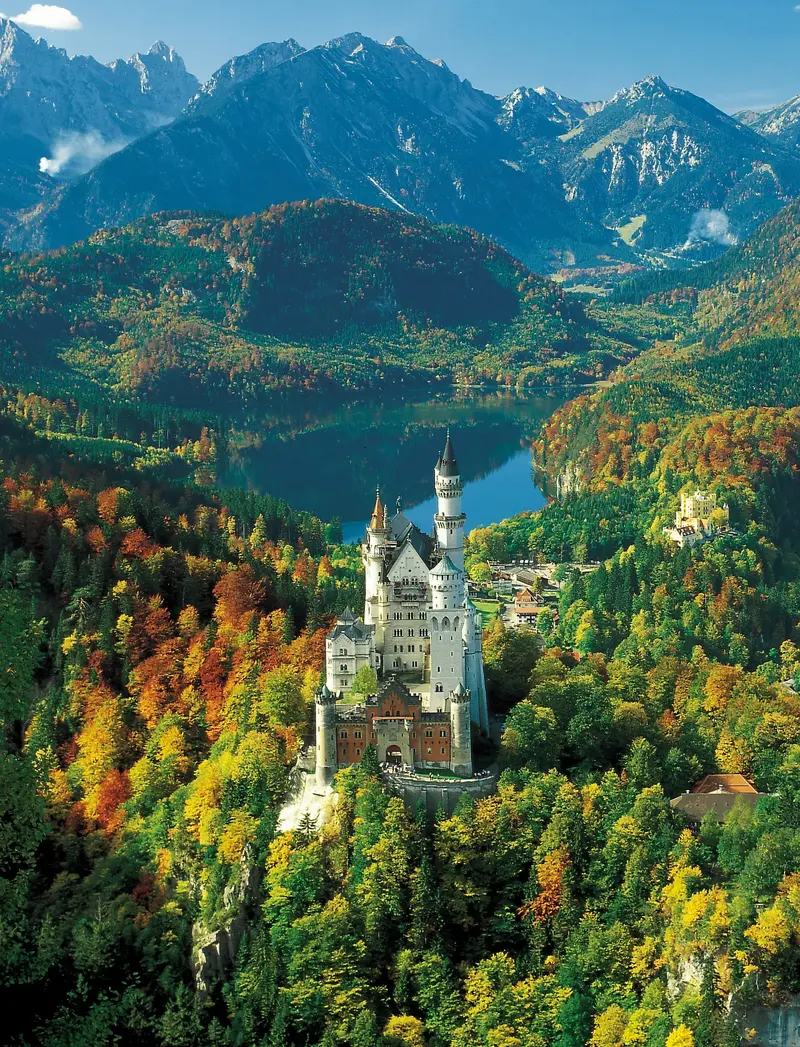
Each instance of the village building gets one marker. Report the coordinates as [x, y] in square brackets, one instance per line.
[527, 607]
[715, 795]
[421, 634]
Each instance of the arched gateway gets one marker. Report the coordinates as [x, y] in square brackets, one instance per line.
[394, 756]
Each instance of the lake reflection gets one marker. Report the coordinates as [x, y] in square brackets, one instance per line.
[327, 457]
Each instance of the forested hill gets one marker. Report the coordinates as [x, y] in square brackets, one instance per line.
[751, 291]
[303, 295]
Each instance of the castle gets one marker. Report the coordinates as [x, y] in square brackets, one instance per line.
[698, 518]
[421, 635]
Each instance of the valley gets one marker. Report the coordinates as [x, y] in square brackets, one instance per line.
[275, 771]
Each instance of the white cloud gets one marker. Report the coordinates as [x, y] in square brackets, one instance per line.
[74, 154]
[710, 226]
[46, 16]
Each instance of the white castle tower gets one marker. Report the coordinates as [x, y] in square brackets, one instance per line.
[446, 618]
[449, 518]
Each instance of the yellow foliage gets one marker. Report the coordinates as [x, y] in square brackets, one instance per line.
[771, 930]
[644, 960]
[404, 1031]
[638, 1027]
[143, 773]
[609, 1027]
[100, 747]
[733, 755]
[173, 743]
[239, 831]
[681, 1036]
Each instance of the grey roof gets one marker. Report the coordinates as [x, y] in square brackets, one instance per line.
[447, 464]
[351, 627]
[399, 525]
[421, 543]
[694, 806]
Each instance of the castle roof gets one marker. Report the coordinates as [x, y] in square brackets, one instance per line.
[399, 526]
[421, 543]
[447, 464]
[446, 566]
[351, 627]
[378, 521]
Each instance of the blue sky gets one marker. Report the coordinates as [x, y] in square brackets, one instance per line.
[737, 53]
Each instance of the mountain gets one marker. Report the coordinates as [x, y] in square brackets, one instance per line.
[355, 119]
[781, 123]
[753, 291]
[60, 115]
[655, 175]
[245, 67]
[303, 295]
[657, 163]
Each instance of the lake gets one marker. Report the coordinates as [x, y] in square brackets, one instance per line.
[328, 457]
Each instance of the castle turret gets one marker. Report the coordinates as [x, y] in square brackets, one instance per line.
[460, 732]
[449, 518]
[374, 557]
[325, 706]
[446, 619]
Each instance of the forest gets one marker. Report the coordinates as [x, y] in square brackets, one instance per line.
[161, 639]
[321, 295]
[161, 642]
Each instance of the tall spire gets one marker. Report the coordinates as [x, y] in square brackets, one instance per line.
[378, 521]
[448, 466]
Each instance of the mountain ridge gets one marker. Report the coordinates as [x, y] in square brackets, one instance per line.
[652, 176]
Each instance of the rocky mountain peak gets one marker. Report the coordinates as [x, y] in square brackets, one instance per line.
[161, 50]
[245, 67]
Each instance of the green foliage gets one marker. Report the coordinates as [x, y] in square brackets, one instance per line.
[191, 308]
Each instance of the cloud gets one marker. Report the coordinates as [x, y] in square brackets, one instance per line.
[74, 154]
[709, 226]
[46, 16]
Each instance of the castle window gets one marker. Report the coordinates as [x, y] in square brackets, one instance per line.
[442, 734]
[342, 734]
[445, 623]
[423, 632]
[423, 616]
[401, 648]
[342, 652]
[444, 751]
[428, 732]
[357, 734]
[358, 752]
[396, 663]
[398, 632]
[415, 665]
[410, 632]
[429, 751]
[439, 688]
[411, 648]
[342, 668]
[438, 668]
[411, 616]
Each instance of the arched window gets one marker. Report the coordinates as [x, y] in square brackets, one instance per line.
[445, 623]
[435, 624]
[456, 623]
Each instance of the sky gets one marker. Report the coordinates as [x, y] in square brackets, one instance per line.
[737, 53]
